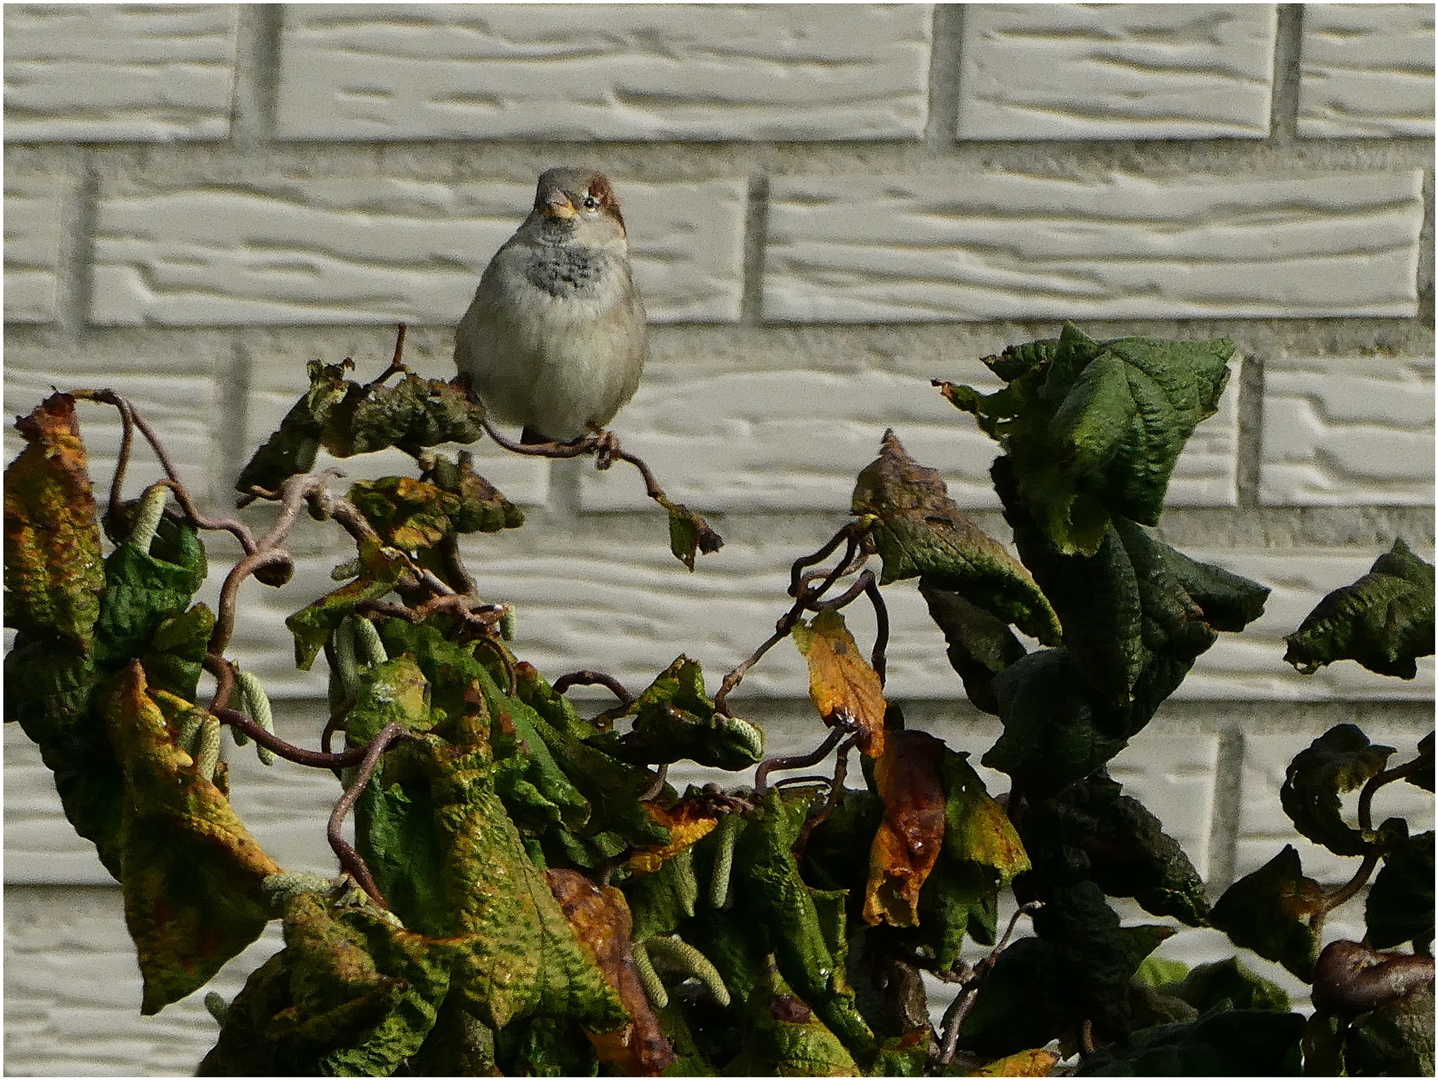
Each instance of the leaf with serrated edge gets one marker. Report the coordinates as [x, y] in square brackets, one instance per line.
[1341, 759]
[918, 530]
[842, 685]
[53, 575]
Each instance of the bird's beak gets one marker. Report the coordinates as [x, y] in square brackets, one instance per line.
[556, 205]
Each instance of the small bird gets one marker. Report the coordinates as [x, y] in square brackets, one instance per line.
[555, 338]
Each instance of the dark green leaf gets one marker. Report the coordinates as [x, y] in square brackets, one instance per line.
[53, 576]
[1423, 776]
[480, 507]
[1051, 736]
[143, 589]
[1400, 903]
[1248, 1042]
[980, 645]
[918, 530]
[1023, 1003]
[1269, 911]
[1384, 620]
[1092, 830]
[1135, 612]
[1209, 985]
[1393, 1040]
[1099, 956]
[1093, 428]
[1340, 760]
[293, 448]
[674, 719]
[411, 414]
[783, 1037]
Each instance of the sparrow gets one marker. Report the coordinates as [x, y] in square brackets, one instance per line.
[555, 338]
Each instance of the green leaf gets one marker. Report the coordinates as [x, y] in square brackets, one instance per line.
[1394, 1039]
[782, 1037]
[144, 589]
[1400, 903]
[1248, 1042]
[480, 506]
[1384, 620]
[1023, 1003]
[1270, 910]
[292, 449]
[1098, 956]
[1340, 760]
[1052, 736]
[1422, 776]
[674, 719]
[380, 570]
[977, 829]
[1091, 830]
[775, 897]
[1093, 429]
[351, 994]
[411, 414]
[406, 513]
[1136, 613]
[980, 645]
[53, 576]
[689, 533]
[190, 871]
[1207, 986]
[918, 530]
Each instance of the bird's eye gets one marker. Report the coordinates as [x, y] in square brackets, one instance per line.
[590, 202]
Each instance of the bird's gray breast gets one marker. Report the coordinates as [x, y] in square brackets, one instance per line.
[566, 271]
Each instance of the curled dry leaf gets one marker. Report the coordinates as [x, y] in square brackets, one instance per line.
[688, 822]
[1351, 978]
[843, 686]
[601, 920]
[53, 571]
[912, 832]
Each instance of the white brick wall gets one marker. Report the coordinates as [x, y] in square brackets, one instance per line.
[828, 207]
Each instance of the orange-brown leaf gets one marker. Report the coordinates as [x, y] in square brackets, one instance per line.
[53, 570]
[912, 832]
[842, 685]
[601, 921]
[688, 822]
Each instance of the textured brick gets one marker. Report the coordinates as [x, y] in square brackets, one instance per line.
[874, 248]
[1142, 71]
[72, 991]
[604, 72]
[1367, 70]
[796, 439]
[1264, 828]
[1249, 666]
[34, 209]
[370, 250]
[104, 73]
[1347, 432]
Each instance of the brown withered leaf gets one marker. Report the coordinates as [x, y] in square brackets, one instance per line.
[911, 833]
[843, 686]
[53, 571]
[601, 920]
[688, 822]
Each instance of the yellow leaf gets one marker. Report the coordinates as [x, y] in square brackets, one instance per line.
[1024, 1063]
[688, 822]
[842, 685]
